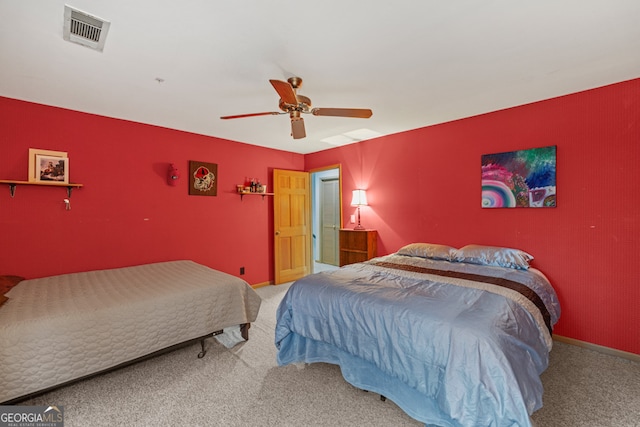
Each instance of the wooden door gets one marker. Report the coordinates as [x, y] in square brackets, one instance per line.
[291, 225]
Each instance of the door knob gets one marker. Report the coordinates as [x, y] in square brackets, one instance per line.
[277, 233]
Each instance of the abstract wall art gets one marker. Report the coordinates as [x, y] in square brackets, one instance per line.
[519, 179]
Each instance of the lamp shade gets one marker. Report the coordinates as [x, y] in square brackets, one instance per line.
[359, 198]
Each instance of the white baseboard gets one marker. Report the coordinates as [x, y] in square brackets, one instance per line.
[599, 348]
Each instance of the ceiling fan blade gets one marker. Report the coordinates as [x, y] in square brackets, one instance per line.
[285, 90]
[361, 113]
[240, 116]
[297, 128]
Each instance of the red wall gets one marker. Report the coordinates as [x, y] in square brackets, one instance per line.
[424, 185]
[126, 214]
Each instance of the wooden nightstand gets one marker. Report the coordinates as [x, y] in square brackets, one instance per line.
[357, 245]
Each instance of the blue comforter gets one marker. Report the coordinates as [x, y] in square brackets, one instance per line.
[448, 351]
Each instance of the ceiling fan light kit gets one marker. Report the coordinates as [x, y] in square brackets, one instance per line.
[295, 105]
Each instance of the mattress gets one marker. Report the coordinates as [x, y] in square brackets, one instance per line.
[445, 341]
[60, 328]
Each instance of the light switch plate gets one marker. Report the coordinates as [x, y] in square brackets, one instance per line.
[353, 219]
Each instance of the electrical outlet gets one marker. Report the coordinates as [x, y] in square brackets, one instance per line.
[353, 219]
[241, 271]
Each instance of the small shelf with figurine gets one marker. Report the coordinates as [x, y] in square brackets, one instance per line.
[252, 188]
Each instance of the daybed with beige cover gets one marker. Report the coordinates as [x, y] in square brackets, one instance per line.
[59, 329]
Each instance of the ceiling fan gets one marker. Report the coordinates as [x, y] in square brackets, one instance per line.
[295, 105]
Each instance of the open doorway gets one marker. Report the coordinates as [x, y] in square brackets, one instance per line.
[326, 218]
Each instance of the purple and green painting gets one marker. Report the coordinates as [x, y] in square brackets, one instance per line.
[519, 179]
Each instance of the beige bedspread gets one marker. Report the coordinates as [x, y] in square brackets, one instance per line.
[60, 328]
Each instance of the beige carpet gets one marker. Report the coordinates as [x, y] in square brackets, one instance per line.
[244, 387]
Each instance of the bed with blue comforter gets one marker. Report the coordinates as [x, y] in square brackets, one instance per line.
[454, 338]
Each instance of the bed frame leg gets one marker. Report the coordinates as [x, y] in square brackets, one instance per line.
[204, 351]
[244, 330]
[383, 398]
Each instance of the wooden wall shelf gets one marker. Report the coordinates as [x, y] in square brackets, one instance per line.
[12, 185]
[249, 193]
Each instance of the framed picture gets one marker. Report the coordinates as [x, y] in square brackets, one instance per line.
[34, 172]
[52, 168]
[520, 179]
[203, 178]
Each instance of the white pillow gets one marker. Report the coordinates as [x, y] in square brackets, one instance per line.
[493, 255]
[428, 250]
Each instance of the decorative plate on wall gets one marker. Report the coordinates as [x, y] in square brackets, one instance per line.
[203, 178]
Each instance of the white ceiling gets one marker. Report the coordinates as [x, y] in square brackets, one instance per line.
[183, 64]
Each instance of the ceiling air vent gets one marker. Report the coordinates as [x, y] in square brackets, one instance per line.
[84, 29]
